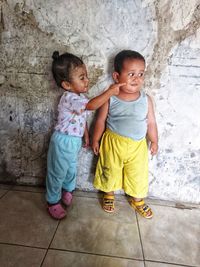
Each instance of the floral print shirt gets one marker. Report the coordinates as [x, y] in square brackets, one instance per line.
[72, 114]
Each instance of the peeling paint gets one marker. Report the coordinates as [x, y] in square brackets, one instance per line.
[166, 32]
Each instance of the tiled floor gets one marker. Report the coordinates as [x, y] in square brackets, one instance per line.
[89, 237]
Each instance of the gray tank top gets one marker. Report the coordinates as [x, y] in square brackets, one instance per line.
[128, 118]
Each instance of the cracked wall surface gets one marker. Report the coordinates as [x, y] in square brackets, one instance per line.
[166, 32]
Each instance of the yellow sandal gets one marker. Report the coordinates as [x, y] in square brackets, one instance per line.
[108, 203]
[143, 209]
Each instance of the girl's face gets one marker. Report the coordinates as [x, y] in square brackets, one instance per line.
[79, 80]
[132, 74]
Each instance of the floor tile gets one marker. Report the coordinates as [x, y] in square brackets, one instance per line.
[89, 229]
[5, 186]
[2, 192]
[25, 220]
[26, 188]
[172, 236]
[159, 264]
[56, 258]
[14, 256]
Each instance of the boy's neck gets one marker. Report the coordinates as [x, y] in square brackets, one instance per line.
[129, 97]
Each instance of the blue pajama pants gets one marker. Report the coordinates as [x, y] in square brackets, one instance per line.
[62, 161]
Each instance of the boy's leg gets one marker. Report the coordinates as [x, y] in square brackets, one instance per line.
[136, 177]
[108, 175]
[108, 202]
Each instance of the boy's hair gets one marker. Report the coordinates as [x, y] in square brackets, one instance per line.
[63, 65]
[125, 55]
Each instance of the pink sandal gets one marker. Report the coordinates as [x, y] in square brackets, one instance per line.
[57, 211]
[67, 198]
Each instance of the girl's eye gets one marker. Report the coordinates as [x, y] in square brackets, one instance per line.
[83, 78]
[131, 74]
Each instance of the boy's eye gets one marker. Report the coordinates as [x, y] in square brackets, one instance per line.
[132, 74]
[140, 74]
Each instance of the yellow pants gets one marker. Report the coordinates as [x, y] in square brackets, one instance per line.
[122, 164]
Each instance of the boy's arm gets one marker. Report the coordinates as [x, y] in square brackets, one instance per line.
[152, 132]
[98, 101]
[99, 127]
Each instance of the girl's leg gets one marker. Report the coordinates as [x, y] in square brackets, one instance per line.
[69, 182]
[56, 167]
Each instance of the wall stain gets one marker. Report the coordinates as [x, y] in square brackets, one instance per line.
[164, 44]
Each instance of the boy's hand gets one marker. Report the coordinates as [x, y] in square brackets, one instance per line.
[95, 147]
[153, 148]
[114, 88]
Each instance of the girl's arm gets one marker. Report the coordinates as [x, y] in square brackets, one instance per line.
[86, 137]
[152, 132]
[99, 127]
[98, 101]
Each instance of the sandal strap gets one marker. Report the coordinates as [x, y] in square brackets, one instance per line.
[108, 203]
[138, 203]
[144, 208]
[111, 197]
[108, 200]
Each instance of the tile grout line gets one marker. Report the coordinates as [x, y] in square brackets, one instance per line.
[140, 238]
[50, 243]
[96, 254]
[171, 263]
[20, 245]
[4, 194]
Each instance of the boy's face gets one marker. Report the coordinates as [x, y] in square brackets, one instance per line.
[132, 74]
[79, 81]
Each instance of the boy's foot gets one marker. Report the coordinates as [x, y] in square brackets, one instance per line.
[143, 209]
[57, 211]
[67, 198]
[108, 203]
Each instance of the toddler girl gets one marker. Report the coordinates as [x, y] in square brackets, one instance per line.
[70, 74]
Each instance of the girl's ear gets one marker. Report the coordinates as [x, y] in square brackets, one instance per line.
[115, 76]
[66, 85]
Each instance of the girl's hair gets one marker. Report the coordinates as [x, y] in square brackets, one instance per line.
[63, 66]
[124, 55]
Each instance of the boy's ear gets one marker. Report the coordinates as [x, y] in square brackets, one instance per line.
[115, 76]
[66, 85]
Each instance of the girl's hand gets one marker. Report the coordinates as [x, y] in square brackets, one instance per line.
[86, 141]
[114, 88]
[95, 147]
[153, 148]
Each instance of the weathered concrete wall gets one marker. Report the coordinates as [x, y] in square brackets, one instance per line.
[166, 32]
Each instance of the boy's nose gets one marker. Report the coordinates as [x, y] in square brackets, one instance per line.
[136, 77]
